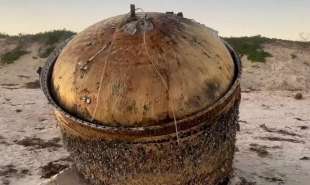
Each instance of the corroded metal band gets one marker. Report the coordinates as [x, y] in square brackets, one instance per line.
[87, 129]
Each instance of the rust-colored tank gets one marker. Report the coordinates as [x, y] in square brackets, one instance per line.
[148, 99]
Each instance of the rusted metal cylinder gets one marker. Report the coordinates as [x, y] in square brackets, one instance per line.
[152, 100]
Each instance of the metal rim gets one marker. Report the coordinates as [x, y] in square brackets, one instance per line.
[183, 124]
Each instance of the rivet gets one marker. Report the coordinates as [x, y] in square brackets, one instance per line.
[86, 99]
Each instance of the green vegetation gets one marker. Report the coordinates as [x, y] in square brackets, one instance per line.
[252, 47]
[52, 37]
[44, 53]
[47, 38]
[3, 35]
[49, 41]
[13, 55]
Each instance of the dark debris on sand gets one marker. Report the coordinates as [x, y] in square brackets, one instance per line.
[32, 85]
[8, 171]
[298, 96]
[278, 131]
[303, 127]
[3, 141]
[259, 149]
[54, 167]
[38, 143]
[281, 139]
[305, 158]
[273, 179]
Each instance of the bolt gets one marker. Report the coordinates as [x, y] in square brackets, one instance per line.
[180, 14]
[86, 99]
[85, 67]
[132, 10]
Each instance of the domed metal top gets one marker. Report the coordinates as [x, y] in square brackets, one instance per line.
[141, 70]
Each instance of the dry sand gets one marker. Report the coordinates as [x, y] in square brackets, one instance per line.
[273, 143]
[280, 72]
[276, 156]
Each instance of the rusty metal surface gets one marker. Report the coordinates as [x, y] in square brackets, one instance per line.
[142, 72]
[147, 134]
[199, 152]
[103, 130]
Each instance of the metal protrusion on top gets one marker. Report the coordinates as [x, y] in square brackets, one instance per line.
[132, 10]
[180, 14]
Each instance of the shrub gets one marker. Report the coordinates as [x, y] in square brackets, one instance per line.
[252, 47]
[4, 35]
[13, 55]
[52, 37]
[44, 53]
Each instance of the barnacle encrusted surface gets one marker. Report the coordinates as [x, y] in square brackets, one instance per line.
[203, 157]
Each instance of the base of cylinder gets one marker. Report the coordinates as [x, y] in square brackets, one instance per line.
[202, 158]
